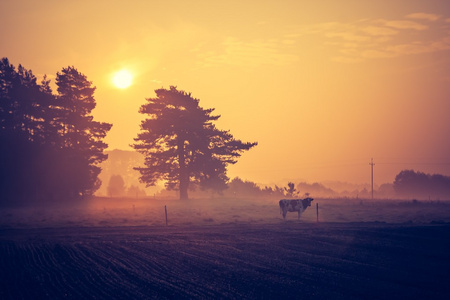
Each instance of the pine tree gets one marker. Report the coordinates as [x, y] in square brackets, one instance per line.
[50, 145]
[181, 144]
[24, 132]
[82, 137]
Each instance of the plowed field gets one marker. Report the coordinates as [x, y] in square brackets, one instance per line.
[285, 260]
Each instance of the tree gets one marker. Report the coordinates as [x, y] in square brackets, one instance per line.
[82, 137]
[116, 186]
[241, 188]
[135, 192]
[290, 190]
[25, 133]
[181, 144]
[419, 184]
[24, 104]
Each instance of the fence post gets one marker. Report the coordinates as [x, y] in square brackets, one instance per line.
[317, 212]
[165, 210]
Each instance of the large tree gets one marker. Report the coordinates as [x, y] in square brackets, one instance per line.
[82, 137]
[181, 144]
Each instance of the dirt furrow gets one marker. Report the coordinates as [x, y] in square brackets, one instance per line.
[287, 260]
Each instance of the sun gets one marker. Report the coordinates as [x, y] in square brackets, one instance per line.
[122, 79]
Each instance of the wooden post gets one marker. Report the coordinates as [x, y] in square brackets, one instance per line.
[165, 210]
[317, 212]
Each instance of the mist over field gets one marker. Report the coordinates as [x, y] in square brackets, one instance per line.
[150, 211]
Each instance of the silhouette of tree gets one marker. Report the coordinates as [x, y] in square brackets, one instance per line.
[135, 192]
[23, 104]
[181, 144]
[24, 132]
[82, 137]
[49, 145]
[419, 184]
[291, 191]
[240, 188]
[116, 186]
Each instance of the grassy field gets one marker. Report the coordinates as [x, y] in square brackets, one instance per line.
[151, 212]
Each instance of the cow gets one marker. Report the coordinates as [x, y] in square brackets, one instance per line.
[298, 205]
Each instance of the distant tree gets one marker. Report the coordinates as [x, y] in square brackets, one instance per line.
[408, 182]
[181, 144]
[279, 191]
[116, 186]
[135, 192]
[240, 188]
[419, 184]
[267, 191]
[291, 191]
[121, 162]
[318, 189]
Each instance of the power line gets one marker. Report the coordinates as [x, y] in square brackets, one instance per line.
[415, 163]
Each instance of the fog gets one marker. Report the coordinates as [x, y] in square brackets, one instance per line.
[150, 211]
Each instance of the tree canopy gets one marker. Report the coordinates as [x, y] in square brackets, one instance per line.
[182, 145]
[116, 186]
[419, 184]
[50, 144]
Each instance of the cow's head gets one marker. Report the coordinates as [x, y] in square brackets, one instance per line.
[308, 201]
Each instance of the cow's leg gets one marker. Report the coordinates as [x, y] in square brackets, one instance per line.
[299, 213]
[284, 213]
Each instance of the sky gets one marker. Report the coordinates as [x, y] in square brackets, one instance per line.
[322, 86]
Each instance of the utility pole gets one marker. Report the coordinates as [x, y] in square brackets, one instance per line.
[371, 167]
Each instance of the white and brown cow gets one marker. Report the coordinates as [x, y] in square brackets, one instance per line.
[298, 205]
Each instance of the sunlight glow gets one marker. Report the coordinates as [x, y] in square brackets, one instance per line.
[122, 79]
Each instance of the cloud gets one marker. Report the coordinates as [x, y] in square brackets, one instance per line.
[346, 59]
[369, 39]
[423, 16]
[373, 53]
[348, 36]
[345, 42]
[379, 31]
[250, 54]
[403, 24]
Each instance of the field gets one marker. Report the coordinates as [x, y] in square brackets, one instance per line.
[116, 249]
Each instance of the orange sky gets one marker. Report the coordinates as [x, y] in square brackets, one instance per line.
[323, 86]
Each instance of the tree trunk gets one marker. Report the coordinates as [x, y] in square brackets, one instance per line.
[184, 185]
[183, 175]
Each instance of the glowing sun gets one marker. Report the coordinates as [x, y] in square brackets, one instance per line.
[122, 79]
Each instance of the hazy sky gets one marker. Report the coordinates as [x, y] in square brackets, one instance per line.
[322, 86]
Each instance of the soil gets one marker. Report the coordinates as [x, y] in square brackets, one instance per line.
[247, 260]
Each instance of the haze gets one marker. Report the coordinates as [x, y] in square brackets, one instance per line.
[323, 87]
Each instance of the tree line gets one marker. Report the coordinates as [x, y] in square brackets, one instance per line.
[410, 183]
[50, 145]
